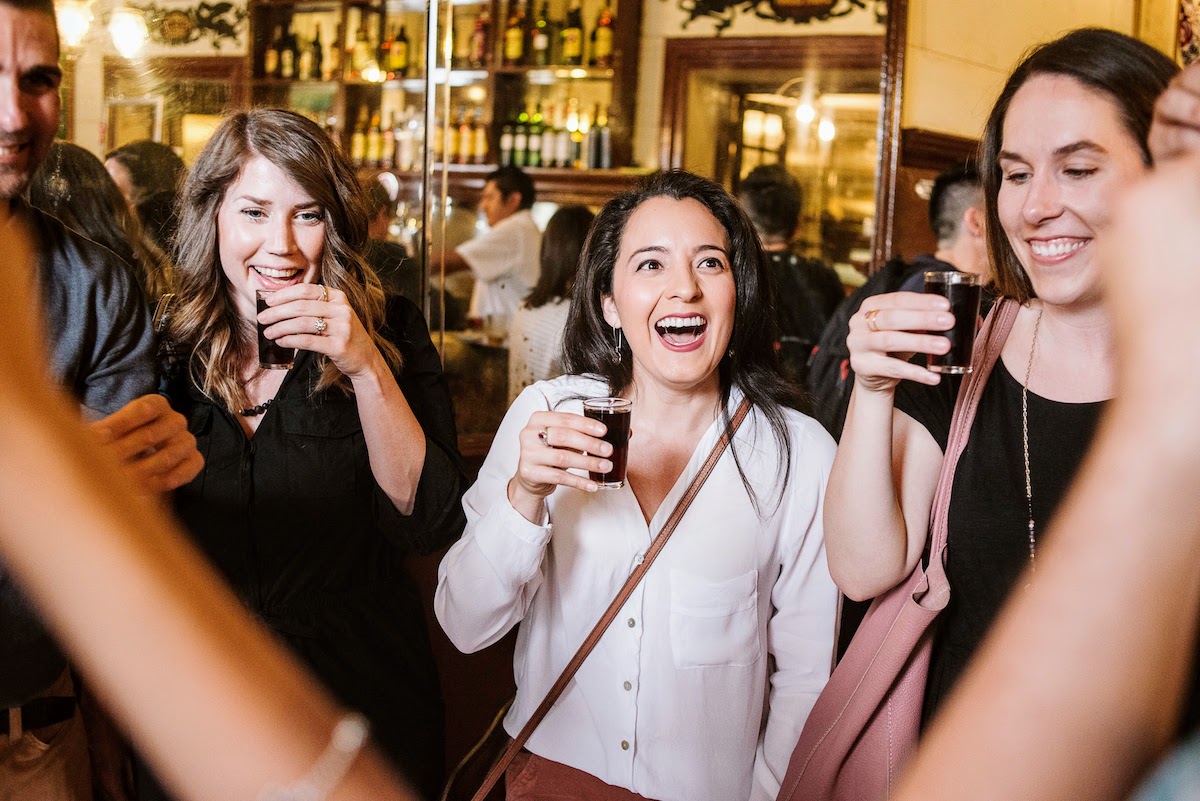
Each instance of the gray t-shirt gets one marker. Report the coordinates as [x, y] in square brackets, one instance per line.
[101, 349]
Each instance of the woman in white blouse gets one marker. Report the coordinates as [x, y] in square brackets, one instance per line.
[701, 686]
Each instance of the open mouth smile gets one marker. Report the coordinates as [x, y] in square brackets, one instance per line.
[681, 333]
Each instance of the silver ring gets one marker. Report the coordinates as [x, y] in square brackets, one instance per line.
[324, 295]
[321, 325]
[544, 436]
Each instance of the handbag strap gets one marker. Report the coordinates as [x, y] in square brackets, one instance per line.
[610, 613]
[988, 346]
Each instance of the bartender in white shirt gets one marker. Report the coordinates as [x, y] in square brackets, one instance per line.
[699, 689]
[504, 258]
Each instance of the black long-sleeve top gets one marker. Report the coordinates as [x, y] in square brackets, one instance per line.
[296, 522]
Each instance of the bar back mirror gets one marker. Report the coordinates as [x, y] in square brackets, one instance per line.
[824, 106]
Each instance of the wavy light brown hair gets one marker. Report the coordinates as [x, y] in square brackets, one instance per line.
[206, 327]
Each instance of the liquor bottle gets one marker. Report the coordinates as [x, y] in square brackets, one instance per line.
[358, 139]
[540, 40]
[521, 140]
[383, 54]
[572, 35]
[466, 138]
[336, 60]
[549, 137]
[287, 56]
[604, 144]
[271, 57]
[478, 53]
[387, 148]
[374, 149]
[399, 59]
[514, 35]
[406, 136]
[563, 144]
[602, 38]
[361, 52]
[506, 145]
[318, 55]
[479, 139]
[304, 65]
[534, 144]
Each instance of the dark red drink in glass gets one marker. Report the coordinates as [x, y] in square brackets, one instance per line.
[963, 291]
[615, 413]
[271, 356]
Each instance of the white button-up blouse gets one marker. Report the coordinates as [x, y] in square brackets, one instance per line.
[699, 688]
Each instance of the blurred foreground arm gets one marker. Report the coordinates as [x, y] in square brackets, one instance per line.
[216, 708]
[1079, 687]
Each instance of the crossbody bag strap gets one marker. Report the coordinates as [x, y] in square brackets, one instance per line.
[988, 346]
[610, 613]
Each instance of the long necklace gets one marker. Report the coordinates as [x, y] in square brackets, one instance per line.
[1025, 441]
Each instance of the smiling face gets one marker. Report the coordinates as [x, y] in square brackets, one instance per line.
[270, 233]
[673, 294]
[29, 103]
[1064, 155]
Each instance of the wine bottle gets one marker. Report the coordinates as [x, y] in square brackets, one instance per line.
[358, 139]
[506, 145]
[602, 38]
[478, 53]
[287, 55]
[374, 150]
[540, 40]
[514, 36]
[534, 144]
[304, 65]
[387, 149]
[400, 55]
[271, 57]
[572, 35]
[521, 139]
[479, 136]
[383, 54]
[466, 139]
[318, 55]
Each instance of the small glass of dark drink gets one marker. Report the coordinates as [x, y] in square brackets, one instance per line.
[963, 291]
[271, 356]
[615, 413]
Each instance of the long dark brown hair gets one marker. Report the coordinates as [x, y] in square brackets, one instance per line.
[1130, 73]
[207, 324]
[562, 243]
[751, 363]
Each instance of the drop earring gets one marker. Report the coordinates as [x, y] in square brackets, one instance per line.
[616, 354]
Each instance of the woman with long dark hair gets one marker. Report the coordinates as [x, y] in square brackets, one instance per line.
[699, 689]
[318, 479]
[1066, 135]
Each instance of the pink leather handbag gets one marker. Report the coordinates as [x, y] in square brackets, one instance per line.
[865, 723]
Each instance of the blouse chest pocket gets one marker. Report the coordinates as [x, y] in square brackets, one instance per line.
[714, 623]
[321, 446]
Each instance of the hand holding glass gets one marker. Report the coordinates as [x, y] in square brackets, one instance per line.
[271, 355]
[616, 414]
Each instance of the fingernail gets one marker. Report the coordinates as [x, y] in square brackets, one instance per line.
[606, 450]
[593, 488]
[945, 319]
[605, 466]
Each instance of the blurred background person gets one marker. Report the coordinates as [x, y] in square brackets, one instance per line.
[535, 335]
[956, 216]
[399, 274]
[319, 479]
[504, 258]
[809, 290]
[73, 186]
[149, 175]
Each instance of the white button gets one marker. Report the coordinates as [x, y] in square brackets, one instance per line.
[628, 686]
[641, 557]
[624, 745]
[631, 622]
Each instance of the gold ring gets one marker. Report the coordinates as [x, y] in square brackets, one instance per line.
[544, 436]
[320, 325]
[324, 293]
[871, 326]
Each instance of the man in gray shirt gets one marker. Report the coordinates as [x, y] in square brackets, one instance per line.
[100, 346]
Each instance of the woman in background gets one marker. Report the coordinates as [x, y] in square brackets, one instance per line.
[73, 186]
[535, 334]
[319, 479]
